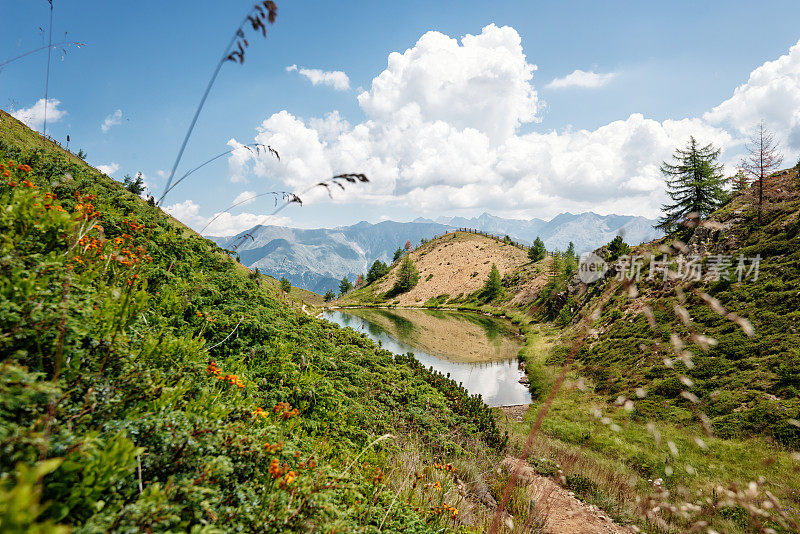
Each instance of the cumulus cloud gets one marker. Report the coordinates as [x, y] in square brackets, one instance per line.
[581, 78]
[111, 120]
[33, 117]
[244, 198]
[225, 224]
[482, 83]
[332, 78]
[108, 169]
[772, 93]
[441, 132]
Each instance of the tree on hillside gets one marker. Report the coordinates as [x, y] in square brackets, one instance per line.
[286, 285]
[408, 246]
[763, 159]
[378, 270]
[407, 276]
[359, 280]
[537, 252]
[570, 260]
[694, 183]
[344, 286]
[617, 248]
[329, 296]
[739, 181]
[397, 254]
[494, 284]
[134, 185]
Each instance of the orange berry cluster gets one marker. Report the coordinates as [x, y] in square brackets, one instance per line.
[285, 410]
[435, 485]
[6, 170]
[445, 509]
[84, 208]
[208, 316]
[281, 473]
[444, 467]
[215, 371]
[274, 447]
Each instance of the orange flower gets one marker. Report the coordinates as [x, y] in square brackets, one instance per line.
[6, 174]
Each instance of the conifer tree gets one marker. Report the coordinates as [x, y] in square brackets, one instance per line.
[494, 284]
[344, 286]
[407, 276]
[377, 270]
[570, 260]
[694, 183]
[537, 252]
[763, 159]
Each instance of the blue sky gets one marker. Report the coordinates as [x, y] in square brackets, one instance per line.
[151, 60]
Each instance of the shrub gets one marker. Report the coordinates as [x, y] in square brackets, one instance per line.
[286, 285]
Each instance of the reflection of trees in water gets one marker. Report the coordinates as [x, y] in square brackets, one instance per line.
[490, 326]
[405, 328]
[374, 329]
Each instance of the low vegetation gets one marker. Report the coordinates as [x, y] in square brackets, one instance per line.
[150, 382]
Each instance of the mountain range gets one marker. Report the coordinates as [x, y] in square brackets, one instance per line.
[317, 259]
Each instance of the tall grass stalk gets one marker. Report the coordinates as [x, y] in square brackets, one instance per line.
[256, 13]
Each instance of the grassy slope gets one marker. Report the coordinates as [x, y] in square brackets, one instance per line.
[111, 416]
[451, 267]
[746, 386]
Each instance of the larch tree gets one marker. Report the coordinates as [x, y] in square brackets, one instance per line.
[762, 160]
[694, 184]
[407, 276]
[537, 252]
[494, 284]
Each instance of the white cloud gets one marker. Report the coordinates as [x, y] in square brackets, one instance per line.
[484, 83]
[33, 116]
[244, 198]
[224, 224]
[111, 120]
[333, 78]
[442, 133]
[581, 78]
[772, 93]
[108, 169]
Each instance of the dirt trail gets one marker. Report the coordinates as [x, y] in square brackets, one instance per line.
[558, 508]
[560, 511]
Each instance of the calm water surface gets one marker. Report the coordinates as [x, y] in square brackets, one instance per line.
[479, 352]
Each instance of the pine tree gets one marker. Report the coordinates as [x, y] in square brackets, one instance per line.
[329, 296]
[407, 276]
[570, 261]
[617, 248]
[344, 286]
[762, 160]
[694, 183]
[739, 181]
[537, 252]
[378, 270]
[397, 254]
[494, 284]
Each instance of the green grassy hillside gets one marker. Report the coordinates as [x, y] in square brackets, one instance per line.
[149, 382]
[690, 383]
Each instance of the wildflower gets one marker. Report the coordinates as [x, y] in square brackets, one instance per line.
[6, 174]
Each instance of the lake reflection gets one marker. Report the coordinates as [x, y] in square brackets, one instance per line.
[477, 351]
